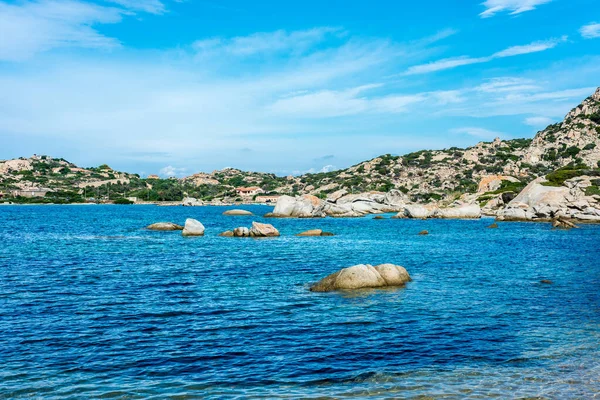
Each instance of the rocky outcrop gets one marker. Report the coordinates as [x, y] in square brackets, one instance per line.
[238, 213]
[306, 206]
[241, 232]
[363, 276]
[164, 226]
[544, 203]
[467, 211]
[193, 228]
[315, 232]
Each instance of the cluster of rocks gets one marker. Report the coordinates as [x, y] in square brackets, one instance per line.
[538, 202]
[342, 204]
[257, 230]
[363, 276]
[192, 227]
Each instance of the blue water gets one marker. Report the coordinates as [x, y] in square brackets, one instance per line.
[92, 305]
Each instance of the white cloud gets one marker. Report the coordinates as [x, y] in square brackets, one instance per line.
[328, 168]
[513, 6]
[449, 63]
[33, 27]
[267, 42]
[507, 84]
[590, 31]
[538, 121]
[148, 6]
[478, 132]
[170, 171]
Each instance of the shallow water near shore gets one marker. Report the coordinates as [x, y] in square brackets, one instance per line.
[93, 305]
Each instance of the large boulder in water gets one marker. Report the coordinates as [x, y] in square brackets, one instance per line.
[363, 276]
[237, 213]
[263, 230]
[193, 228]
[241, 232]
[164, 226]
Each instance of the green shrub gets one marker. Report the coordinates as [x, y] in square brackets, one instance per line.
[592, 190]
[122, 200]
[558, 177]
[590, 146]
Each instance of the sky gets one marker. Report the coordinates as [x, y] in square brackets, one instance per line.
[176, 87]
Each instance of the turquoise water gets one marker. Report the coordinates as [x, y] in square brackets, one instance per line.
[92, 305]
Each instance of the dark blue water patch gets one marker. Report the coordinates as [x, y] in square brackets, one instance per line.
[94, 305]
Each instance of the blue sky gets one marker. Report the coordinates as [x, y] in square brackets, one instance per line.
[177, 87]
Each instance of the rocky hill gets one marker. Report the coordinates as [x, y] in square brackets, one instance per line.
[486, 172]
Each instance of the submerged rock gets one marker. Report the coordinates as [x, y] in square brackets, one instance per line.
[422, 233]
[164, 226]
[193, 228]
[237, 212]
[493, 226]
[363, 276]
[315, 232]
[378, 217]
[563, 224]
[546, 281]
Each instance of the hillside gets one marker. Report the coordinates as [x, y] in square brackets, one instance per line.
[488, 168]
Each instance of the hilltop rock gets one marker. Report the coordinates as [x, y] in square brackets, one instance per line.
[193, 228]
[237, 213]
[164, 226]
[363, 276]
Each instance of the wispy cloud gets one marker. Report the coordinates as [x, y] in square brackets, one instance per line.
[513, 6]
[449, 63]
[32, 27]
[148, 6]
[538, 121]
[590, 31]
[267, 42]
[170, 171]
[477, 132]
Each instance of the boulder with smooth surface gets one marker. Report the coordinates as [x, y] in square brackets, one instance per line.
[193, 228]
[263, 230]
[363, 276]
[164, 226]
[237, 213]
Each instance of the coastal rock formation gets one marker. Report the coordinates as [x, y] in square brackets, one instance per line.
[418, 211]
[237, 213]
[164, 226]
[306, 206]
[460, 212]
[363, 276]
[193, 228]
[191, 202]
[263, 230]
[538, 201]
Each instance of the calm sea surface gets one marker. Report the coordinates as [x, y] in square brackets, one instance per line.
[92, 305]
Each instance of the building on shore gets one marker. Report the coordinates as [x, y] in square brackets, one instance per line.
[248, 191]
[267, 198]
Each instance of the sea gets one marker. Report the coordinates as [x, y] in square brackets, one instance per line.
[93, 305]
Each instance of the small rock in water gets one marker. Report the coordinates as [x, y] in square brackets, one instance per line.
[546, 281]
[315, 232]
[378, 217]
[193, 228]
[422, 233]
[226, 234]
[237, 212]
[563, 224]
[327, 234]
[164, 226]
[493, 226]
